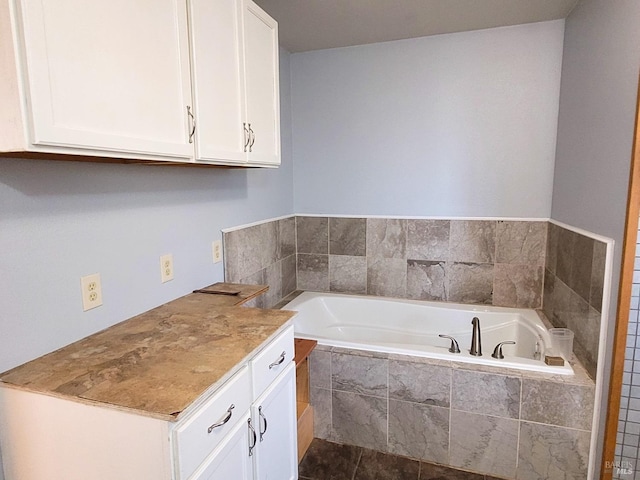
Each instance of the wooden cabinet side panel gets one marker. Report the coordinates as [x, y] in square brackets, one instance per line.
[11, 118]
[48, 437]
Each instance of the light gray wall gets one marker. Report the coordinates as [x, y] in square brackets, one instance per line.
[596, 120]
[449, 125]
[60, 221]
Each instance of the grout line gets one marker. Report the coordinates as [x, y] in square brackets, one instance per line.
[355, 471]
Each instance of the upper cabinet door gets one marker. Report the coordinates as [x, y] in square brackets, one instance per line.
[218, 80]
[108, 75]
[262, 85]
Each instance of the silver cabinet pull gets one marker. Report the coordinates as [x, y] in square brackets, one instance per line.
[192, 123]
[247, 136]
[264, 419]
[255, 440]
[223, 420]
[253, 138]
[278, 361]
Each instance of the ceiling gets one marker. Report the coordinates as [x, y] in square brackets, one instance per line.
[317, 24]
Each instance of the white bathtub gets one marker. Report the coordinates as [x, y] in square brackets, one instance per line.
[411, 327]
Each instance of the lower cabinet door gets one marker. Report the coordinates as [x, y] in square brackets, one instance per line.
[230, 460]
[274, 415]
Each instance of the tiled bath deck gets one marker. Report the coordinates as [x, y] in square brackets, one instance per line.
[332, 461]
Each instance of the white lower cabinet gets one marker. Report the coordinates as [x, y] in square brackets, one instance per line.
[244, 430]
[231, 460]
[275, 453]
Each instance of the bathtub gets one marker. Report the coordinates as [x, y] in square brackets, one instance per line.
[411, 327]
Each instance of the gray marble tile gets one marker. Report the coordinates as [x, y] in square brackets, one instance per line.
[347, 236]
[387, 277]
[320, 368]
[522, 243]
[484, 444]
[312, 235]
[431, 471]
[587, 340]
[353, 373]
[289, 277]
[419, 431]
[426, 280]
[359, 420]
[472, 241]
[320, 399]
[420, 383]
[518, 286]
[313, 272]
[568, 308]
[485, 393]
[548, 293]
[551, 257]
[552, 453]
[243, 252]
[580, 279]
[428, 239]
[273, 278]
[470, 283]
[347, 274]
[269, 243]
[564, 254]
[597, 274]
[557, 404]
[286, 237]
[386, 238]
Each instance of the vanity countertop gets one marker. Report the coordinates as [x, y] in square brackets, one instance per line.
[159, 362]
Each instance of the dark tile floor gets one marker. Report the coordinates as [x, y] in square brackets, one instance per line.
[331, 461]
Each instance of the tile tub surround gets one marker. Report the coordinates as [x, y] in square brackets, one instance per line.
[573, 289]
[263, 254]
[492, 421]
[510, 263]
[498, 262]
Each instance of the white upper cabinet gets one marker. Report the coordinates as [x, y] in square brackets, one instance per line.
[106, 76]
[234, 48]
[116, 78]
[262, 87]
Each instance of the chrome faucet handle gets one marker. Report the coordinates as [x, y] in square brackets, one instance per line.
[454, 348]
[497, 352]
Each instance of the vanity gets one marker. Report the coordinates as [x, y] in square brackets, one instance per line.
[199, 388]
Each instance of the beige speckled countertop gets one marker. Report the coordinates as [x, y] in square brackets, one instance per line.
[157, 363]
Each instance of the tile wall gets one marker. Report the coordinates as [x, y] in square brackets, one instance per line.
[497, 422]
[524, 264]
[573, 288]
[263, 254]
[468, 261]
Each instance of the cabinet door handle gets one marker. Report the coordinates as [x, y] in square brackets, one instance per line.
[264, 419]
[223, 420]
[252, 432]
[278, 361]
[192, 123]
[247, 136]
[253, 138]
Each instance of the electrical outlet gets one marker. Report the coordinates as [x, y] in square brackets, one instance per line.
[217, 251]
[91, 291]
[166, 267]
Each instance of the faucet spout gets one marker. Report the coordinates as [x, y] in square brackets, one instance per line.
[476, 342]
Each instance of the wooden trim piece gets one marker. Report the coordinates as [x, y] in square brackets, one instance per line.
[624, 301]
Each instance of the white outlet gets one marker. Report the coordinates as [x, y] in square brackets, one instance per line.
[166, 267]
[91, 291]
[217, 251]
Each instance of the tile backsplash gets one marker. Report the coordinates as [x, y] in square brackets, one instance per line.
[508, 263]
[470, 261]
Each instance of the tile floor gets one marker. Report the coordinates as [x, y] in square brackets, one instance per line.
[331, 461]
